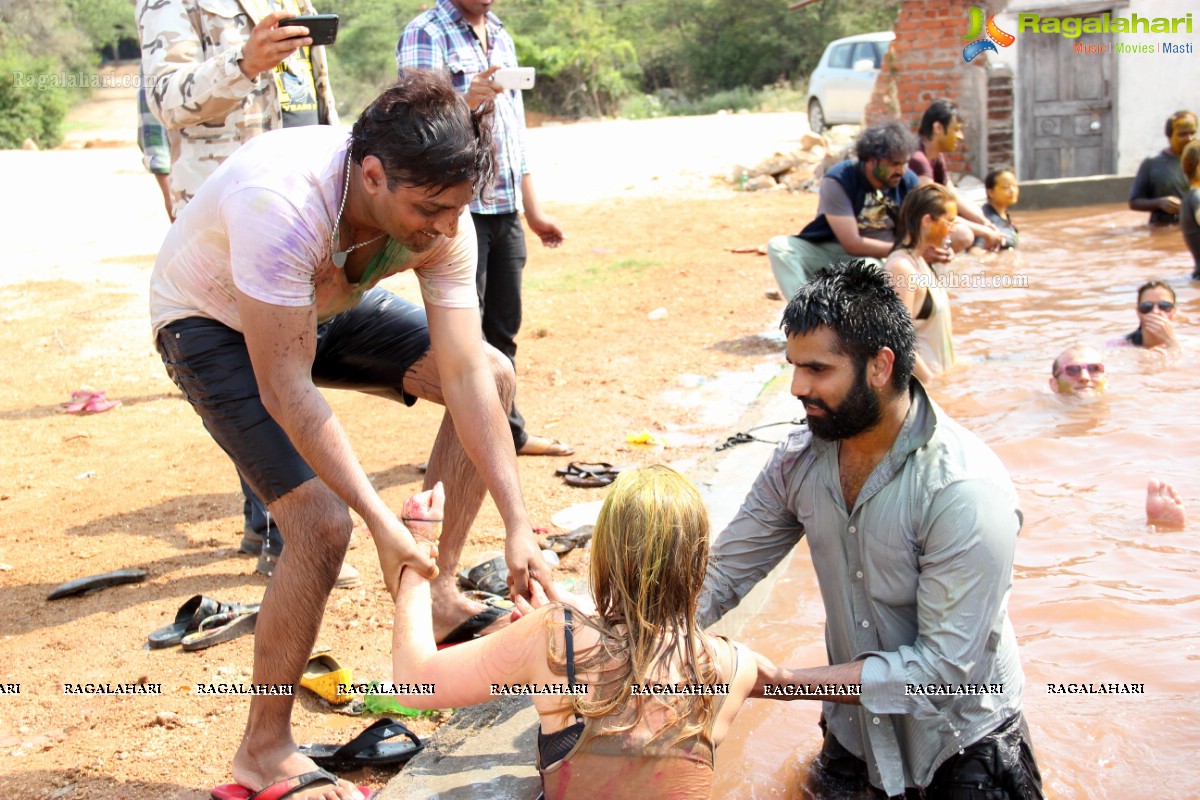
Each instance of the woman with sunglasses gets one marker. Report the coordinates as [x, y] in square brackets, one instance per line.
[1156, 317]
[636, 697]
[926, 217]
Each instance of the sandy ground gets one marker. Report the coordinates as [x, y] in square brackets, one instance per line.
[144, 486]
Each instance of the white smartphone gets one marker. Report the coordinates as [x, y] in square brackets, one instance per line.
[514, 77]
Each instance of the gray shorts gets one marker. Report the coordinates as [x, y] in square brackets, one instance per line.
[369, 348]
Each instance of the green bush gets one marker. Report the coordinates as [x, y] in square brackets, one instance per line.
[29, 112]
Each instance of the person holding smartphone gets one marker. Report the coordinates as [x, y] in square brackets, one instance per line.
[218, 73]
[465, 39]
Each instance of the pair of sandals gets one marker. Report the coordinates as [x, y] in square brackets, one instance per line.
[202, 622]
[589, 476]
[87, 402]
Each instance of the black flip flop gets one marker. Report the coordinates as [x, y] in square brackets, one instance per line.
[95, 582]
[221, 628]
[474, 625]
[589, 476]
[491, 576]
[563, 543]
[370, 748]
[188, 619]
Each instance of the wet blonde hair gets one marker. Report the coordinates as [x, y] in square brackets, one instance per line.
[648, 558]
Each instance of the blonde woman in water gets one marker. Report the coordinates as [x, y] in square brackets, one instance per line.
[609, 739]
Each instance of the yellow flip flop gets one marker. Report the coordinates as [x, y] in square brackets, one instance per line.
[326, 678]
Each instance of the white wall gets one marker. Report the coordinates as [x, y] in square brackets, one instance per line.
[1149, 87]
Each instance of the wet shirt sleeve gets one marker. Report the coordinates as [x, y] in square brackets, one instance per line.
[761, 534]
[965, 567]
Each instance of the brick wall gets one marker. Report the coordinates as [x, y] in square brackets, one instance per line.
[924, 63]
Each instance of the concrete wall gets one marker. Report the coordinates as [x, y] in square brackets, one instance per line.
[1149, 87]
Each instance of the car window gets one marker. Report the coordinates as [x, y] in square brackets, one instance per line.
[865, 51]
[881, 48]
[840, 57]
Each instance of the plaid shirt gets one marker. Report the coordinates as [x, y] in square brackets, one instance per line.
[441, 39]
[152, 139]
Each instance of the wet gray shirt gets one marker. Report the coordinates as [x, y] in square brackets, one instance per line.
[915, 580]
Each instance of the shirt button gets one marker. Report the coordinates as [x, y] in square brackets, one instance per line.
[866, 624]
[858, 574]
[875, 720]
[853, 529]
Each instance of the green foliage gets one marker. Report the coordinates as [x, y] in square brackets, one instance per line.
[104, 22]
[639, 58]
[362, 63]
[44, 28]
[585, 62]
[29, 113]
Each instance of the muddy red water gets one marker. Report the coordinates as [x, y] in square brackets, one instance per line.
[1098, 597]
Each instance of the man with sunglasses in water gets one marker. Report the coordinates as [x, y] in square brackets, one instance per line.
[1078, 370]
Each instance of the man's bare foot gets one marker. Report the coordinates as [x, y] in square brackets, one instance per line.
[544, 446]
[257, 772]
[1164, 509]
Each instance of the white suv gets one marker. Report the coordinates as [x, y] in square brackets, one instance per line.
[840, 87]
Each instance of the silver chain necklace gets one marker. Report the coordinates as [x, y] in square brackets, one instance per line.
[339, 256]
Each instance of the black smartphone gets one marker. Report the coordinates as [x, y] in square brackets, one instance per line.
[322, 28]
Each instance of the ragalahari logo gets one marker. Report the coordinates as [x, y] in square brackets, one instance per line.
[994, 35]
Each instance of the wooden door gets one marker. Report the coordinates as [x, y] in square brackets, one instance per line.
[1067, 99]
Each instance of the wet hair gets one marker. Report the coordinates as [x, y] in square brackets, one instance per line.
[1178, 115]
[1148, 285]
[888, 140]
[929, 198]
[1190, 159]
[989, 182]
[649, 555]
[424, 134]
[856, 301]
[941, 110]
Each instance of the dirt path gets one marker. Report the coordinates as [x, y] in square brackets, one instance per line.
[143, 485]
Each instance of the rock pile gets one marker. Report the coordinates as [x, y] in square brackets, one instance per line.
[800, 169]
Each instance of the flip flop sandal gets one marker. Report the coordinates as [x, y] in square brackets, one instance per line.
[581, 468]
[278, 791]
[590, 481]
[189, 617]
[325, 677]
[95, 582]
[221, 628]
[490, 576]
[563, 543]
[370, 748]
[473, 626]
[84, 402]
